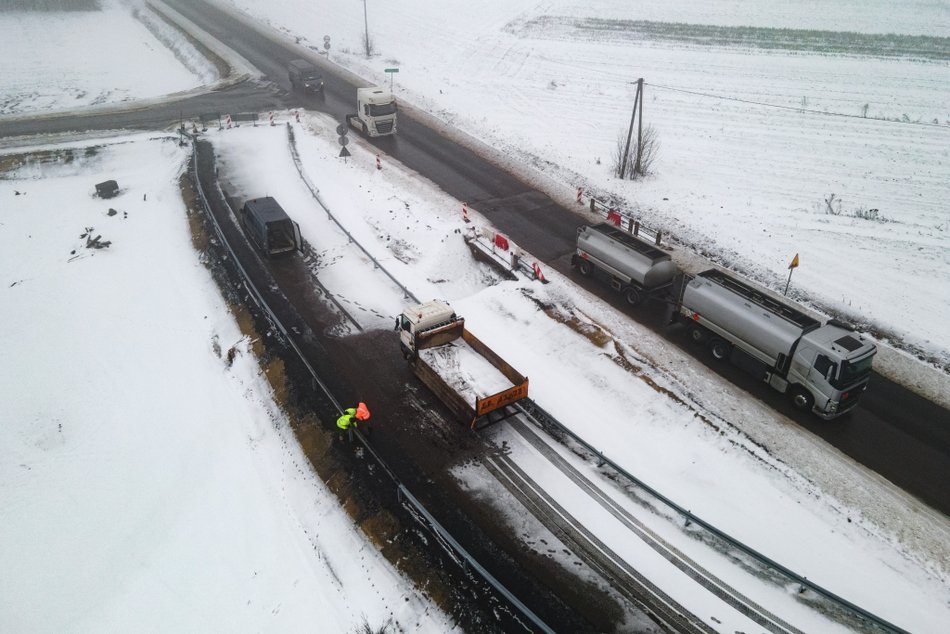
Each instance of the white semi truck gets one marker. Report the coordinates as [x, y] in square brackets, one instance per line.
[823, 368]
[635, 268]
[474, 382]
[375, 112]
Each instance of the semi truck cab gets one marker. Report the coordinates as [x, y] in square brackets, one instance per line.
[375, 112]
[834, 365]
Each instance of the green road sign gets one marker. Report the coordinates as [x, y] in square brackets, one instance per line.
[391, 70]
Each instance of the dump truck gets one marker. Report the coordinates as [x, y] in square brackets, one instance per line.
[637, 269]
[269, 227]
[474, 382]
[822, 367]
[375, 112]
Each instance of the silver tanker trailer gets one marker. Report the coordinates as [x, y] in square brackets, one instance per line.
[631, 266]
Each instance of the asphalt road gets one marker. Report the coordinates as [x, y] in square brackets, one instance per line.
[898, 434]
[901, 436]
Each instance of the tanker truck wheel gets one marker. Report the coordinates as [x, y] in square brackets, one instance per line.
[585, 267]
[801, 398]
[697, 334]
[719, 349]
[633, 296]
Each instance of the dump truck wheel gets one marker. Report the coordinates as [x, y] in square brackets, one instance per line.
[585, 267]
[801, 398]
[719, 349]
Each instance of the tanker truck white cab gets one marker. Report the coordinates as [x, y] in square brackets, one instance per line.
[375, 112]
[632, 266]
[822, 367]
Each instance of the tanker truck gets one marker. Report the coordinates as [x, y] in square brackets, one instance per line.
[474, 382]
[375, 112]
[822, 367]
[635, 268]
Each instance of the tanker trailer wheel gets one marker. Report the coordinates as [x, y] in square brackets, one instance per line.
[633, 296]
[697, 334]
[801, 398]
[585, 267]
[719, 349]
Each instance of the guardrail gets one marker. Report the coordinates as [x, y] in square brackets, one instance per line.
[412, 505]
[624, 220]
[546, 421]
[316, 196]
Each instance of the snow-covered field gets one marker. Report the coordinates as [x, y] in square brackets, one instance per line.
[121, 53]
[166, 490]
[683, 429]
[145, 485]
[744, 183]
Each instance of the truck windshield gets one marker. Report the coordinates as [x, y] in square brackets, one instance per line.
[852, 371]
[312, 77]
[382, 109]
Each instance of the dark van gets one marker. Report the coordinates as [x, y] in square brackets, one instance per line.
[305, 76]
[269, 227]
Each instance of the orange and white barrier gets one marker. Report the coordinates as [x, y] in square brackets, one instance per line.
[379, 165]
[580, 193]
[465, 212]
[270, 116]
[229, 122]
[538, 275]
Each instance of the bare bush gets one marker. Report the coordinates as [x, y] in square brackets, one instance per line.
[616, 156]
[369, 46]
[833, 205]
[646, 153]
[642, 156]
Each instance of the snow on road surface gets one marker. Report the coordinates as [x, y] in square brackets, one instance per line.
[551, 85]
[144, 483]
[683, 429]
[63, 60]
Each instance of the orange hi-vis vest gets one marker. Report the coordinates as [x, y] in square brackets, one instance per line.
[362, 412]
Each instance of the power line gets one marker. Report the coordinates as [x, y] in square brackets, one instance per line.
[796, 109]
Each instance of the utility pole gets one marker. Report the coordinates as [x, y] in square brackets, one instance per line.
[637, 101]
[636, 167]
[366, 29]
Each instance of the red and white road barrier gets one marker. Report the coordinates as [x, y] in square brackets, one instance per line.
[297, 116]
[465, 212]
[580, 192]
[229, 122]
[538, 275]
[379, 165]
[271, 117]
